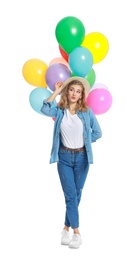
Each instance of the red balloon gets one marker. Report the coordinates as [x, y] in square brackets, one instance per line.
[64, 54]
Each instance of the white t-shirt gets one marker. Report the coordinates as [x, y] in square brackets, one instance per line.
[71, 131]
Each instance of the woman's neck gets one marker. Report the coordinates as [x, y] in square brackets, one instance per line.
[72, 107]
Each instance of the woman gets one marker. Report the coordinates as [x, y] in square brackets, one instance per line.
[75, 128]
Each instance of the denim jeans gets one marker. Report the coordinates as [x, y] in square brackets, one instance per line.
[72, 169]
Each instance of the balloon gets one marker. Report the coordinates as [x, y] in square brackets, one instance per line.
[99, 85]
[64, 54]
[59, 60]
[80, 61]
[98, 44]
[36, 98]
[70, 33]
[55, 73]
[34, 71]
[100, 100]
[91, 77]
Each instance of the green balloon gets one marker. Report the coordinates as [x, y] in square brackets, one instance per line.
[70, 33]
[91, 77]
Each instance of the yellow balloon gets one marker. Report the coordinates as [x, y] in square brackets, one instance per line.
[97, 44]
[34, 71]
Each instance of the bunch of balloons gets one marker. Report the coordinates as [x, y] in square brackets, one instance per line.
[79, 52]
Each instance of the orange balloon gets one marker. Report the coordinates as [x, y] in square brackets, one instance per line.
[34, 71]
[59, 60]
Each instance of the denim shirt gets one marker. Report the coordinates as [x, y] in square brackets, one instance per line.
[91, 129]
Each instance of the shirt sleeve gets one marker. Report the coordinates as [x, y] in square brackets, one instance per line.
[96, 131]
[49, 109]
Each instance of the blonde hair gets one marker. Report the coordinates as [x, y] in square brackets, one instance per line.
[81, 103]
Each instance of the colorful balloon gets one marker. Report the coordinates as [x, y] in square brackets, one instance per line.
[59, 60]
[80, 61]
[100, 100]
[99, 85]
[64, 54]
[36, 98]
[98, 44]
[70, 33]
[91, 77]
[55, 73]
[34, 71]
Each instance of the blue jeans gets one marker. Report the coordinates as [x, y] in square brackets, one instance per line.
[72, 169]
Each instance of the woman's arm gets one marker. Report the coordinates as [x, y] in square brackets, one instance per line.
[58, 88]
[96, 131]
[48, 108]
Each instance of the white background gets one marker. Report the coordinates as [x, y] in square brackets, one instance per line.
[31, 200]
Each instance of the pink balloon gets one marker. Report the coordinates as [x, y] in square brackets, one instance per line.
[99, 100]
[59, 60]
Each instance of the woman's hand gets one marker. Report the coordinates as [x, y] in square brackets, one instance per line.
[58, 86]
[58, 89]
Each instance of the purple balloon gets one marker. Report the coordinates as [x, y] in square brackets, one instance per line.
[99, 85]
[56, 72]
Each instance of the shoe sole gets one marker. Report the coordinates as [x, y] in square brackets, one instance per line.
[74, 247]
[64, 244]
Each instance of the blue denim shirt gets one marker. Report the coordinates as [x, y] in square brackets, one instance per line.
[91, 129]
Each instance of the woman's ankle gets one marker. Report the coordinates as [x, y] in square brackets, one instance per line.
[76, 231]
[66, 228]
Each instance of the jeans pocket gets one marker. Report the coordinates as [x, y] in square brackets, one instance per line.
[83, 156]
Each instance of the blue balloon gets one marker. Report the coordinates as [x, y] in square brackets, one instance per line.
[80, 61]
[36, 98]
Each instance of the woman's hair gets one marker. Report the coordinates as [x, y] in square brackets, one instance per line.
[81, 103]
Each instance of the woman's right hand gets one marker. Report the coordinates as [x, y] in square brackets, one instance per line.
[58, 89]
[58, 86]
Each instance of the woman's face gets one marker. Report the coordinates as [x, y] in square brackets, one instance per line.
[74, 93]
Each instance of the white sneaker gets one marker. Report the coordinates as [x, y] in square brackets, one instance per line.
[65, 239]
[76, 241]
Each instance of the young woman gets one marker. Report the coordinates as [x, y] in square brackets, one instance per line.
[75, 128]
